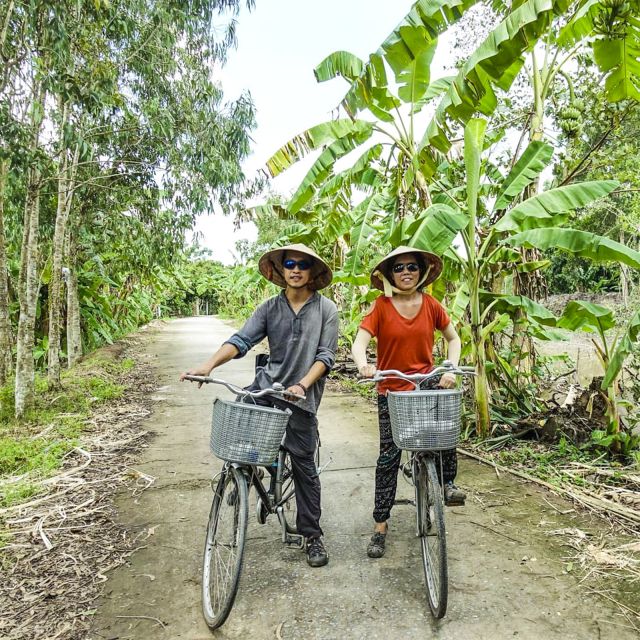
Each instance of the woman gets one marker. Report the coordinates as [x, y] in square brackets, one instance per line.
[403, 321]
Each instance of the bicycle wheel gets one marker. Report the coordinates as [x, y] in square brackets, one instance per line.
[432, 534]
[224, 547]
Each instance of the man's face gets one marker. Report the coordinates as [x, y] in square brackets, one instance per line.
[294, 275]
[405, 271]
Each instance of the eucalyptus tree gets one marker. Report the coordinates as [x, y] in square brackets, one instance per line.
[127, 94]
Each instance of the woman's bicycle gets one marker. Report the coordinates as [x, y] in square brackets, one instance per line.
[248, 437]
[425, 422]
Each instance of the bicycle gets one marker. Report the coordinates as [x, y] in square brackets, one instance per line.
[425, 422]
[247, 437]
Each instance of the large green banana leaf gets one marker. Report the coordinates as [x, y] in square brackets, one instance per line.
[361, 173]
[541, 210]
[323, 166]
[513, 304]
[528, 167]
[314, 138]
[362, 231]
[473, 144]
[580, 243]
[623, 349]
[496, 62]
[436, 228]
[460, 303]
[619, 58]
[416, 34]
[587, 316]
[617, 52]
[580, 25]
[339, 63]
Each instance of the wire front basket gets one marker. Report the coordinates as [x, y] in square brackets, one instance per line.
[247, 433]
[422, 420]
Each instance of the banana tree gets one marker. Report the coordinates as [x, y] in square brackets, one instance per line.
[612, 352]
[495, 218]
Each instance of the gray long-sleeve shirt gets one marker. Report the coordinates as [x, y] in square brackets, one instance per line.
[295, 342]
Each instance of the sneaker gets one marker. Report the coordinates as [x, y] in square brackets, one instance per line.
[317, 555]
[453, 497]
[375, 548]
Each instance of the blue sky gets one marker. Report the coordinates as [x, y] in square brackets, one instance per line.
[279, 44]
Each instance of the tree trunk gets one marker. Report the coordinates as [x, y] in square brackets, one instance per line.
[28, 284]
[65, 195]
[28, 293]
[6, 346]
[74, 331]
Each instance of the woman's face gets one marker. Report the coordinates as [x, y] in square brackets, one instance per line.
[405, 271]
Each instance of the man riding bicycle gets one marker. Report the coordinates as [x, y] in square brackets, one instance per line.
[301, 326]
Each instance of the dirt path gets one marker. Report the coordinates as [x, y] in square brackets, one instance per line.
[507, 575]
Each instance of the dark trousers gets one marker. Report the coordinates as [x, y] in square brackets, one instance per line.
[389, 463]
[301, 441]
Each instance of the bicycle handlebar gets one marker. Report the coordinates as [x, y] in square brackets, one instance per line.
[417, 378]
[278, 389]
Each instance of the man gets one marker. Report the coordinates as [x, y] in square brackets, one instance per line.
[302, 329]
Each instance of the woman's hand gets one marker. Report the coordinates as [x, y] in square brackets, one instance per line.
[367, 371]
[448, 381]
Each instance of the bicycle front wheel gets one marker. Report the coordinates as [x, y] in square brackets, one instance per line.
[431, 531]
[224, 547]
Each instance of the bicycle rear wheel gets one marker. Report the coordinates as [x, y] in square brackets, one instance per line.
[431, 531]
[285, 490]
[224, 546]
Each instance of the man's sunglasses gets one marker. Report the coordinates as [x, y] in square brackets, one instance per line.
[410, 266]
[291, 264]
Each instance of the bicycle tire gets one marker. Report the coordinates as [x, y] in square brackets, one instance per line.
[224, 547]
[432, 533]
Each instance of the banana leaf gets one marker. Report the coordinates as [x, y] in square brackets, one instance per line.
[339, 63]
[436, 227]
[496, 62]
[364, 213]
[541, 210]
[323, 166]
[623, 348]
[580, 243]
[314, 138]
[586, 316]
[619, 58]
[528, 167]
[512, 304]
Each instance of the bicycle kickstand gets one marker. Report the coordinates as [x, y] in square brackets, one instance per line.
[291, 539]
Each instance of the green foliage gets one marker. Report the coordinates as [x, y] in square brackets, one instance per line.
[33, 448]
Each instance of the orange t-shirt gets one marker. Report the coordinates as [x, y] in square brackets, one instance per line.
[404, 344]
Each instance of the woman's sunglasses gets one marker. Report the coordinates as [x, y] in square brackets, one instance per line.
[410, 266]
[291, 264]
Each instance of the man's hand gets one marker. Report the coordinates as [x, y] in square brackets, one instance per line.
[448, 381]
[293, 391]
[202, 370]
[367, 371]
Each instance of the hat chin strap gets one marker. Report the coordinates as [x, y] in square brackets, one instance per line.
[390, 289]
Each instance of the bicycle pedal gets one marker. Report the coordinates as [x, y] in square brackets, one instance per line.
[294, 540]
[405, 501]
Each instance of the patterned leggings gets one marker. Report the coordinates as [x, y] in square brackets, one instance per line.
[389, 463]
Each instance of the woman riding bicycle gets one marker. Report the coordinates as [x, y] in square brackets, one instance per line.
[404, 322]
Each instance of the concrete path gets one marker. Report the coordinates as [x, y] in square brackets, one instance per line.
[507, 575]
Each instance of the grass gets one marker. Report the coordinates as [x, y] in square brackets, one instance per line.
[34, 447]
